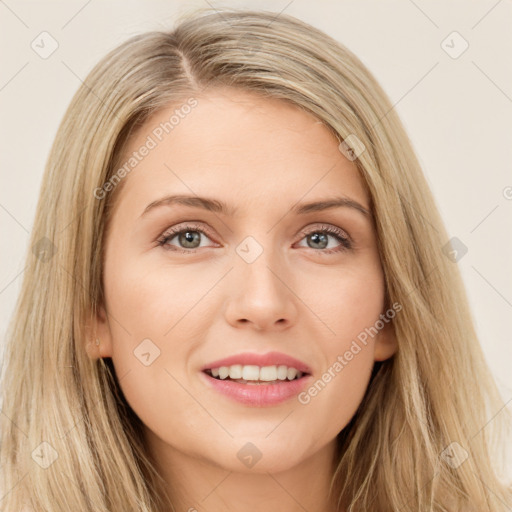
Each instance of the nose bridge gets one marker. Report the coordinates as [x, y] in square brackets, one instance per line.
[261, 295]
[258, 267]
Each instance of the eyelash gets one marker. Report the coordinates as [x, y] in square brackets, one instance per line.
[331, 230]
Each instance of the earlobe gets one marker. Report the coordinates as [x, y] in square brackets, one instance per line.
[98, 343]
[386, 343]
[92, 347]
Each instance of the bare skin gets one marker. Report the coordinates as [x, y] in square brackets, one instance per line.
[305, 295]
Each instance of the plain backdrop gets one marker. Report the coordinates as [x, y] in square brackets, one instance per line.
[445, 65]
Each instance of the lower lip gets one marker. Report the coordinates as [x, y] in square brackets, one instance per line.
[258, 395]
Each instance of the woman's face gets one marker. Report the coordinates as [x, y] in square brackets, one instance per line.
[264, 274]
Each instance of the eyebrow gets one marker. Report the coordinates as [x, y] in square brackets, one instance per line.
[216, 206]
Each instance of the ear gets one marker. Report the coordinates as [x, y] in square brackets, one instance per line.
[99, 329]
[385, 343]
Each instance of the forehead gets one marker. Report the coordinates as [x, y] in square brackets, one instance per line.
[237, 142]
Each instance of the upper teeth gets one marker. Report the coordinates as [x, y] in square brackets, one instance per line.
[253, 372]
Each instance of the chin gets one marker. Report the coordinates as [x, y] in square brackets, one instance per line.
[260, 455]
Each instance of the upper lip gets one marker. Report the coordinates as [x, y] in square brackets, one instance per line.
[267, 359]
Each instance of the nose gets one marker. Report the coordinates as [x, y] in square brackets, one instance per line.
[261, 296]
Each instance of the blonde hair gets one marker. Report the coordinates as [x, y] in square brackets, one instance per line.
[435, 391]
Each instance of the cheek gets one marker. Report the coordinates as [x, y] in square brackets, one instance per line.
[338, 388]
[158, 319]
[349, 308]
[152, 302]
[346, 303]
[334, 396]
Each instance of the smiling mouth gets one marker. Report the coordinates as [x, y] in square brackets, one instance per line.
[252, 374]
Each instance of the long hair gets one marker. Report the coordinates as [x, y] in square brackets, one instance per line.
[423, 438]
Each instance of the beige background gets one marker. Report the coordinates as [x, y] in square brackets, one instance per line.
[457, 112]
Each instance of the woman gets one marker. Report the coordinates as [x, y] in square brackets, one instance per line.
[242, 300]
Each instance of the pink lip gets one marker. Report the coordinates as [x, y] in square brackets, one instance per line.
[258, 395]
[268, 359]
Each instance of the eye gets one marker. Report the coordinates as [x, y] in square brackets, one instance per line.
[189, 236]
[318, 239]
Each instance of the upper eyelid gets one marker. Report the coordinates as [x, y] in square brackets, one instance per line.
[323, 226]
[186, 225]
